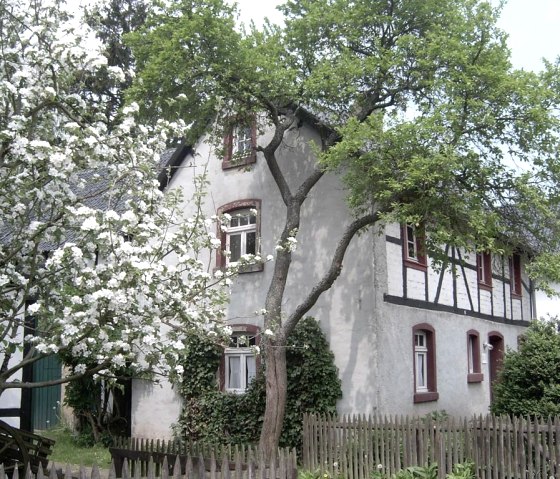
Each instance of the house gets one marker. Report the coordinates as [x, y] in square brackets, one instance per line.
[407, 338]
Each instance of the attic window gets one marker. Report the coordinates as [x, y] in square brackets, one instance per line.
[240, 145]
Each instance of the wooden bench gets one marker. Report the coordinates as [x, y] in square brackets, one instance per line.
[18, 449]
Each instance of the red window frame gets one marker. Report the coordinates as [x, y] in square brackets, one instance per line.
[230, 159]
[413, 246]
[484, 270]
[474, 374]
[515, 275]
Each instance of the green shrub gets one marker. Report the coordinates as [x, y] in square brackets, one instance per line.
[215, 417]
[529, 381]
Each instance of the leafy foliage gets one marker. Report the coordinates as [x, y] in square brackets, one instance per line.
[529, 382]
[215, 417]
[460, 471]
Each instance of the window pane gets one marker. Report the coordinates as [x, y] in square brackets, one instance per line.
[251, 368]
[253, 219]
[411, 242]
[251, 243]
[234, 222]
[234, 367]
[421, 371]
[234, 247]
[243, 220]
[470, 353]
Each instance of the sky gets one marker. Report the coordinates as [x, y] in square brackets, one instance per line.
[533, 28]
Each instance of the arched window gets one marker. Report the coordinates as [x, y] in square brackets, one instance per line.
[241, 235]
[424, 359]
[473, 353]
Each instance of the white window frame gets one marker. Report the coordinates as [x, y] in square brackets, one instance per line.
[421, 361]
[411, 243]
[244, 354]
[484, 268]
[242, 231]
[472, 345]
[242, 140]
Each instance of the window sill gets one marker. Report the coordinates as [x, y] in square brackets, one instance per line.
[409, 263]
[475, 377]
[516, 295]
[426, 397]
[230, 163]
[254, 268]
[485, 287]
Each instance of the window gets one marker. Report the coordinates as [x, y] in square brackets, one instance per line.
[240, 363]
[484, 270]
[473, 352]
[241, 235]
[421, 357]
[425, 386]
[515, 274]
[240, 145]
[413, 247]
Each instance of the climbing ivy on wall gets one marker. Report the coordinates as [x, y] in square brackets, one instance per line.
[217, 417]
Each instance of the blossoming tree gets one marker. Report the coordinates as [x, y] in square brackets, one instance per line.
[96, 264]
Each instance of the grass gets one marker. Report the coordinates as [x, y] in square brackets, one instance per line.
[66, 451]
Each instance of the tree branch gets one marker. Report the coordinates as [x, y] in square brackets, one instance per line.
[333, 272]
[53, 382]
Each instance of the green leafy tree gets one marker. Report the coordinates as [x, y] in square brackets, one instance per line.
[529, 382]
[111, 21]
[417, 106]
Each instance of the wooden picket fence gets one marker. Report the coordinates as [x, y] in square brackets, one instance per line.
[247, 466]
[198, 457]
[500, 447]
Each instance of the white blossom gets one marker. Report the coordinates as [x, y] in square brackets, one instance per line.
[102, 282]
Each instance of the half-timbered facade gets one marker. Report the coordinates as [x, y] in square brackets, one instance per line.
[408, 338]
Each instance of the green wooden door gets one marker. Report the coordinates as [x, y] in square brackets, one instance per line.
[45, 402]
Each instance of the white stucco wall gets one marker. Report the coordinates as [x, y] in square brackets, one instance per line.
[370, 337]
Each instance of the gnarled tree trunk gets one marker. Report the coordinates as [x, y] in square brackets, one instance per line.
[276, 393]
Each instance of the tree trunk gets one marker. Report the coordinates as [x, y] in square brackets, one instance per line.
[276, 391]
